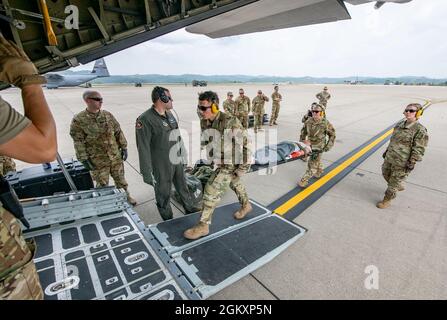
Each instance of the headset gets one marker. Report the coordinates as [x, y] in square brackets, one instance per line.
[214, 106]
[162, 94]
[419, 113]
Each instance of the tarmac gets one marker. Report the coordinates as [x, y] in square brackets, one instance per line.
[405, 245]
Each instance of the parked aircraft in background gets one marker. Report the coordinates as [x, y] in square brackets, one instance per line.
[57, 80]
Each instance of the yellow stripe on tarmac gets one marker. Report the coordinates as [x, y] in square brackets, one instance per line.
[293, 202]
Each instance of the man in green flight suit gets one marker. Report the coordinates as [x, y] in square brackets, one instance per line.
[229, 149]
[162, 153]
[100, 144]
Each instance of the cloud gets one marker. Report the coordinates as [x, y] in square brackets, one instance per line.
[396, 40]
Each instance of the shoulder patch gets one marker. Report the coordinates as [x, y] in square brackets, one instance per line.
[139, 125]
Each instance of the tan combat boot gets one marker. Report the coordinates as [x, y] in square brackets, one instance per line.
[385, 203]
[200, 230]
[243, 211]
[303, 183]
[400, 188]
[319, 174]
[131, 200]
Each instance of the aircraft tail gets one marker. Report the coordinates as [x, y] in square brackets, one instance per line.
[100, 69]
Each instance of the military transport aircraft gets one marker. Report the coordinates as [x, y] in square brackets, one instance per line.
[57, 80]
[104, 29]
[91, 244]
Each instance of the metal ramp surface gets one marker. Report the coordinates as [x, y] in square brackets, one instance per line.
[110, 254]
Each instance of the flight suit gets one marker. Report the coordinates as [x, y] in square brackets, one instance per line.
[243, 108]
[407, 144]
[158, 139]
[98, 137]
[321, 135]
[276, 107]
[259, 111]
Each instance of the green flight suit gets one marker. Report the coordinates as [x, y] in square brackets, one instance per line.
[158, 137]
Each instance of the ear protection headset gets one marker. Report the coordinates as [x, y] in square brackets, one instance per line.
[419, 113]
[214, 106]
[162, 94]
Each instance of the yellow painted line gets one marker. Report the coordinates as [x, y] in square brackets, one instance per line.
[293, 202]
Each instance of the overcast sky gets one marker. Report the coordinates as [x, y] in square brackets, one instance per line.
[397, 40]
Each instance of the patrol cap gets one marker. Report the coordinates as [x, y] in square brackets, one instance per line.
[230, 94]
[325, 88]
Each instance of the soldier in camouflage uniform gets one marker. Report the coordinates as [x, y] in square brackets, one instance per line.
[259, 110]
[243, 108]
[232, 159]
[319, 134]
[276, 106]
[229, 105]
[407, 146]
[100, 144]
[324, 97]
[6, 165]
[31, 139]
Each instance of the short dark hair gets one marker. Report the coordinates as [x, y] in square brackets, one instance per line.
[209, 96]
[157, 92]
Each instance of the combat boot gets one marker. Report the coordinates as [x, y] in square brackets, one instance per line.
[303, 183]
[385, 203]
[243, 211]
[200, 230]
[319, 174]
[131, 200]
[400, 188]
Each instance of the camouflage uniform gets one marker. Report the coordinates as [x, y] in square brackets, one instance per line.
[324, 97]
[225, 175]
[6, 165]
[407, 144]
[99, 138]
[243, 108]
[277, 98]
[229, 107]
[18, 275]
[259, 111]
[316, 132]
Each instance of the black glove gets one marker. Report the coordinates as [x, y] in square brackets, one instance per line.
[88, 165]
[409, 166]
[124, 154]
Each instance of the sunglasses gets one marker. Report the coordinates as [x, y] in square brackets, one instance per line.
[410, 110]
[203, 108]
[97, 99]
[315, 111]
